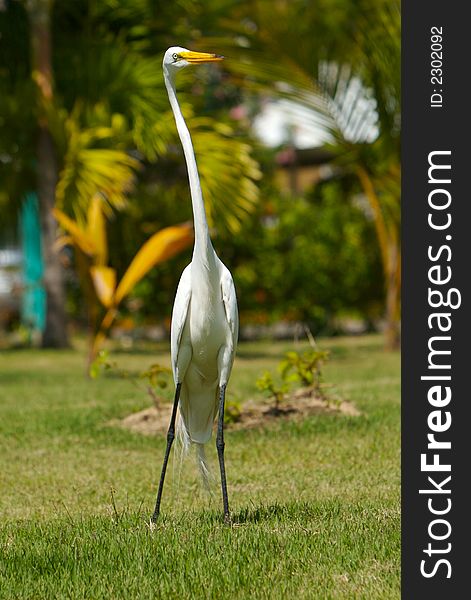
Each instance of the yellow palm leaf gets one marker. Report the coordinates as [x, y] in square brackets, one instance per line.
[104, 280]
[161, 246]
[96, 230]
[78, 235]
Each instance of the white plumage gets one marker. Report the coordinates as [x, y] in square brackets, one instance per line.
[203, 340]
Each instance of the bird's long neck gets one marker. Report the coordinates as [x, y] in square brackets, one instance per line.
[203, 247]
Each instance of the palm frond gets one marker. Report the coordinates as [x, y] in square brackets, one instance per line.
[350, 107]
[91, 167]
[228, 173]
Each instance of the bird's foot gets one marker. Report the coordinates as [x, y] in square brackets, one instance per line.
[227, 518]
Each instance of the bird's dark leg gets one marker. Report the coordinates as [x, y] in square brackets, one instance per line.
[220, 448]
[170, 438]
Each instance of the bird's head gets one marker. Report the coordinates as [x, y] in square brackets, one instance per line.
[177, 58]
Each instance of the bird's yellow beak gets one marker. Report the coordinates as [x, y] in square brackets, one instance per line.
[200, 57]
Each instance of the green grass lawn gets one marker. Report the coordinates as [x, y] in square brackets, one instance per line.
[316, 504]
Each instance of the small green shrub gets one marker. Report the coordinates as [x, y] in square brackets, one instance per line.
[100, 364]
[303, 369]
[276, 391]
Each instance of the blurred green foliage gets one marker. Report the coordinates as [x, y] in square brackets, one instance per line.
[310, 259]
[326, 253]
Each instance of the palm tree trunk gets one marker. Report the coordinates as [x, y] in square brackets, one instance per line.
[393, 300]
[55, 333]
[390, 256]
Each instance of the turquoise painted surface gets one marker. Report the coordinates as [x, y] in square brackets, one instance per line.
[33, 309]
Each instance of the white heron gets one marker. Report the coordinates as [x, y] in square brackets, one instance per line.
[205, 319]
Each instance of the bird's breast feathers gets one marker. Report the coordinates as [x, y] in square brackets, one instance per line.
[208, 323]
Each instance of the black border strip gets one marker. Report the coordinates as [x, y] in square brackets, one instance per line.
[427, 128]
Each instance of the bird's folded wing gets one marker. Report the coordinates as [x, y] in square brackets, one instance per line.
[180, 310]
[230, 304]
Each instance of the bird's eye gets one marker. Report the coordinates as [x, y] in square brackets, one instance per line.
[175, 56]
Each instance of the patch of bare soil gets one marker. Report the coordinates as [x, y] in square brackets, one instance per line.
[302, 403]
